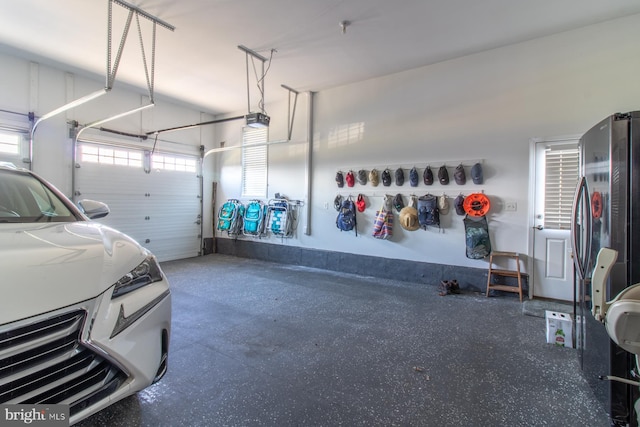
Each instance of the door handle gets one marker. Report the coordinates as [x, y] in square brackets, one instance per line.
[539, 227]
[582, 259]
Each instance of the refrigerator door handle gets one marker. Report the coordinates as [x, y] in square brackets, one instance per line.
[581, 260]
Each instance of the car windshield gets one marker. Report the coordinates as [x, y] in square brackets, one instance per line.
[24, 199]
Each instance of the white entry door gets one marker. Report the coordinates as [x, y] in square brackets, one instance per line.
[556, 175]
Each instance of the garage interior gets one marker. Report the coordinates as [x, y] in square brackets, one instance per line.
[147, 106]
[301, 346]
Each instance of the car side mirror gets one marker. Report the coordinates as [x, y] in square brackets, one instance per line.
[93, 209]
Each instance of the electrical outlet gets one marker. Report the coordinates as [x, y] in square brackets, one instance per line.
[510, 206]
[326, 205]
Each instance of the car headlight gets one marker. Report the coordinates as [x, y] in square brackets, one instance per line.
[145, 273]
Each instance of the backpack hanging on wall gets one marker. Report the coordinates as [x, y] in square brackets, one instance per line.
[428, 214]
[398, 203]
[280, 218]
[230, 217]
[476, 231]
[254, 218]
[383, 223]
[346, 219]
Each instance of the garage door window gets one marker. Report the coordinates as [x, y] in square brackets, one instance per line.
[111, 156]
[173, 163]
[10, 143]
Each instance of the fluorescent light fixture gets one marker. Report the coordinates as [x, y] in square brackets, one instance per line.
[74, 104]
[117, 116]
[59, 110]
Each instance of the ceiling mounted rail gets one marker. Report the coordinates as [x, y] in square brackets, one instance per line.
[210, 122]
[110, 118]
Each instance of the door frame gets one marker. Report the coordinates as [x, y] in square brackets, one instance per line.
[532, 197]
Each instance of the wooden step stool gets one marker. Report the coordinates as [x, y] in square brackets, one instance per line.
[494, 272]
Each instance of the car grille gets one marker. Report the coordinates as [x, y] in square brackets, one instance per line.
[45, 363]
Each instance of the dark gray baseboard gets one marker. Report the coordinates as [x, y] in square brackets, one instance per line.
[470, 279]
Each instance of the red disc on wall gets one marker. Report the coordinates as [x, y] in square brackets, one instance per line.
[476, 204]
[596, 204]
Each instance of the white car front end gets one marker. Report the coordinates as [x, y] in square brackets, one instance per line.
[85, 312]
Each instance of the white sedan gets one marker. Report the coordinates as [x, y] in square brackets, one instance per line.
[85, 311]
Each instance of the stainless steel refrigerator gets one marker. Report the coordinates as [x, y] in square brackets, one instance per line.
[607, 214]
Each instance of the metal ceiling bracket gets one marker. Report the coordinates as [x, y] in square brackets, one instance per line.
[291, 112]
[144, 14]
[260, 81]
[112, 69]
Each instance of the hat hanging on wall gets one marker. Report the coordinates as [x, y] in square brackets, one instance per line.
[409, 218]
[458, 204]
[339, 179]
[476, 174]
[350, 179]
[459, 175]
[386, 177]
[374, 178]
[399, 177]
[443, 204]
[361, 203]
[362, 177]
[413, 177]
[443, 175]
[427, 176]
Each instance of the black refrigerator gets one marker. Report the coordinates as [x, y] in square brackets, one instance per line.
[606, 213]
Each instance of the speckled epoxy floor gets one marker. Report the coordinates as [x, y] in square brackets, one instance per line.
[261, 344]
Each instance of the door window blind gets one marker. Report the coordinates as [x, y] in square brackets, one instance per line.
[561, 178]
[254, 162]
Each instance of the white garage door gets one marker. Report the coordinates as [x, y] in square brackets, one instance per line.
[153, 198]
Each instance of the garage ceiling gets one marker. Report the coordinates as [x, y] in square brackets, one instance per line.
[200, 64]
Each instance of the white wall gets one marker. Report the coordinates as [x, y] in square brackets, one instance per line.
[485, 106]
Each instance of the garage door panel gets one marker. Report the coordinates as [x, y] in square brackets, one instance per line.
[160, 209]
[179, 250]
[173, 182]
[95, 178]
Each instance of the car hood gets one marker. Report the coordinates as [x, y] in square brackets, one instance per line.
[46, 267]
